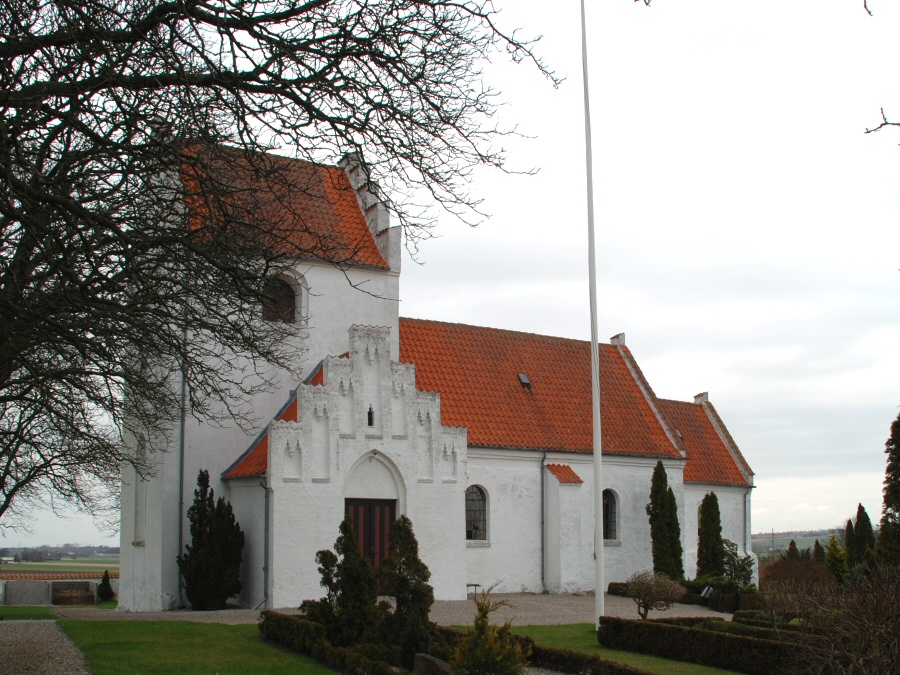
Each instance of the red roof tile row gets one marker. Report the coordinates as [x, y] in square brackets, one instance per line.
[525, 391]
[564, 474]
[304, 210]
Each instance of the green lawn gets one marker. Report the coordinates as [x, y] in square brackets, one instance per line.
[581, 637]
[186, 647]
[14, 613]
[182, 647]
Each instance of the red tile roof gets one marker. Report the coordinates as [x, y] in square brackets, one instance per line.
[301, 209]
[476, 372]
[564, 474]
[476, 369]
[255, 461]
[710, 459]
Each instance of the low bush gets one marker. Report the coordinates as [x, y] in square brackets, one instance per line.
[619, 588]
[490, 649]
[292, 632]
[305, 637]
[736, 628]
[105, 590]
[579, 663]
[720, 650]
[650, 590]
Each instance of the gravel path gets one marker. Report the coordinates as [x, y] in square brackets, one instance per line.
[38, 648]
[41, 647]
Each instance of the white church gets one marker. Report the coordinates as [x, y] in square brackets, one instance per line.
[481, 436]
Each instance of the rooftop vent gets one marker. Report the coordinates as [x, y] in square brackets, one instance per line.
[524, 381]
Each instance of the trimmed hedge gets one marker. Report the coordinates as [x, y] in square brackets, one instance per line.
[561, 660]
[294, 632]
[720, 650]
[737, 628]
[619, 588]
[308, 638]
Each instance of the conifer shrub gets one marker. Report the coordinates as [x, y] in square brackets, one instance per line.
[489, 649]
[405, 577]
[211, 563]
[665, 532]
[710, 545]
[888, 547]
[348, 611]
[105, 591]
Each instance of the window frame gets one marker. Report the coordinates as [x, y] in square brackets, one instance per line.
[472, 511]
[611, 529]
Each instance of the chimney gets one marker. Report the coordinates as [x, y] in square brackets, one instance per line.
[618, 339]
[702, 397]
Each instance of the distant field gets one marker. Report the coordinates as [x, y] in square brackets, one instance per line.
[110, 563]
[764, 544]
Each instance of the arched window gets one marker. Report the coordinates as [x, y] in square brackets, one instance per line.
[279, 303]
[610, 515]
[476, 514]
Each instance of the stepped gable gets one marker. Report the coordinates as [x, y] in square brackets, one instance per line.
[305, 210]
[476, 371]
[711, 457]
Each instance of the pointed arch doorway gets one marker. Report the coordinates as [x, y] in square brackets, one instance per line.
[373, 497]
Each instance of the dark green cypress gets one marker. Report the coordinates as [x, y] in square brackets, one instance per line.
[211, 564]
[356, 591]
[405, 578]
[665, 532]
[850, 545]
[863, 536]
[889, 535]
[710, 547]
[818, 552]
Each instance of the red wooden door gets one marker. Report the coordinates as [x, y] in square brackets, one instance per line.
[372, 520]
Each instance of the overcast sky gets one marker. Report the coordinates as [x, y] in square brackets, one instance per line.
[747, 227]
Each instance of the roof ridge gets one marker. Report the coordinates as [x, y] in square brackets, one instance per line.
[650, 395]
[502, 330]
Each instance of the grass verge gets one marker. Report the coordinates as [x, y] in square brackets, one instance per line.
[183, 647]
[580, 637]
[16, 613]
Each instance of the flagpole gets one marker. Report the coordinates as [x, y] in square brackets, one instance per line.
[599, 586]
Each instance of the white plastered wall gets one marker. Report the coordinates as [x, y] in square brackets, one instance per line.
[734, 513]
[511, 556]
[332, 453]
[334, 302]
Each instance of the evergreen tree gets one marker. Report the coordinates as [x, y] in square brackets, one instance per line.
[674, 530]
[348, 609]
[818, 552]
[356, 591]
[665, 533]
[211, 564]
[850, 545]
[863, 536]
[405, 578]
[710, 547]
[105, 590]
[737, 568]
[792, 553]
[836, 558]
[889, 534]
